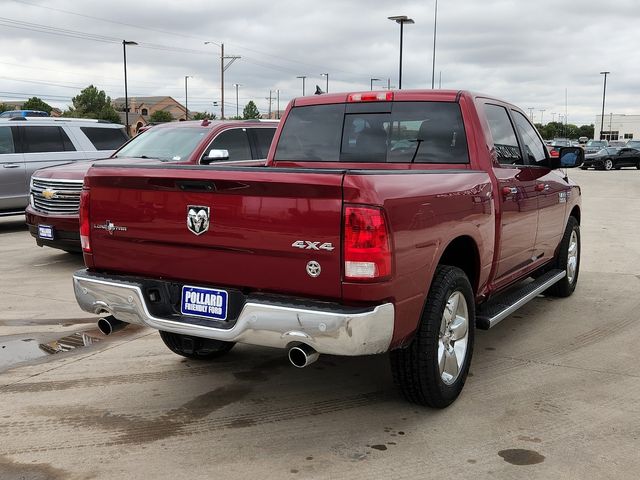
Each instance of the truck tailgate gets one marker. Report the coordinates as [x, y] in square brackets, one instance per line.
[265, 226]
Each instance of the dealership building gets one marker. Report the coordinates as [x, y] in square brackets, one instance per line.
[617, 126]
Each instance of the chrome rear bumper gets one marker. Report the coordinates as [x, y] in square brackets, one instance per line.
[332, 330]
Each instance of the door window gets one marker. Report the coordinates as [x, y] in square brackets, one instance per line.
[533, 146]
[6, 141]
[235, 141]
[504, 136]
[263, 138]
[45, 139]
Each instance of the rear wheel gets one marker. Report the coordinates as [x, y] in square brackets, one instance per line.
[195, 347]
[568, 259]
[433, 369]
[608, 164]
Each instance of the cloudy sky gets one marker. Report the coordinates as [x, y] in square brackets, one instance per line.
[527, 52]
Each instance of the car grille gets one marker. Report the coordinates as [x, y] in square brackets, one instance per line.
[63, 196]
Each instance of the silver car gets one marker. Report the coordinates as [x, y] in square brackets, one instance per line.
[30, 143]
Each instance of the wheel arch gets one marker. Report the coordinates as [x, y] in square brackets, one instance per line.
[575, 213]
[463, 252]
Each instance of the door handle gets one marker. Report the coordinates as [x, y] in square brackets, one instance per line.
[542, 187]
[11, 165]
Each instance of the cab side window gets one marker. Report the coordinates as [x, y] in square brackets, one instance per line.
[504, 136]
[235, 141]
[45, 139]
[533, 146]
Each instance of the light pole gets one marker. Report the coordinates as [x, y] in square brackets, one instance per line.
[223, 68]
[435, 25]
[186, 98]
[542, 110]
[604, 92]
[401, 19]
[237, 106]
[278, 104]
[303, 77]
[371, 80]
[326, 90]
[126, 96]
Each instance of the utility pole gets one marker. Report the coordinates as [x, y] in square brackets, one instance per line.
[186, 98]
[223, 68]
[237, 106]
[269, 103]
[278, 104]
[435, 24]
[401, 19]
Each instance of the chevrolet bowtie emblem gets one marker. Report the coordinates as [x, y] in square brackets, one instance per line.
[49, 193]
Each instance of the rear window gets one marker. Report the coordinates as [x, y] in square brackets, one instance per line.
[105, 138]
[398, 132]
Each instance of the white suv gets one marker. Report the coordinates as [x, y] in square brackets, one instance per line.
[30, 143]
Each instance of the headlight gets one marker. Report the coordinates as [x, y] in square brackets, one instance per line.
[31, 202]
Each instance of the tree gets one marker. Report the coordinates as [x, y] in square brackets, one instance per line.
[93, 103]
[203, 116]
[35, 103]
[586, 131]
[5, 108]
[160, 116]
[250, 111]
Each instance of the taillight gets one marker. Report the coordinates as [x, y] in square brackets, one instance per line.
[85, 226]
[370, 97]
[366, 248]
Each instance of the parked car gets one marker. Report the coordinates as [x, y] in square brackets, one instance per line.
[613, 158]
[392, 221]
[617, 143]
[557, 144]
[23, 113]
[633, 144]
[52, 215]
[594, 146]
[30, 143]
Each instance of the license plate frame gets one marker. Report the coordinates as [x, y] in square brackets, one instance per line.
[46, 232]
[204, 302]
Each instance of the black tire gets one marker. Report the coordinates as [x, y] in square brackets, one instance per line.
[567, 285]
[415, 368]
[608, 164]
[638, 165]
[584, 168]
[195, 347]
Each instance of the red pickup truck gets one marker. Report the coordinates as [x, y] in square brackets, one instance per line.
[393, 221]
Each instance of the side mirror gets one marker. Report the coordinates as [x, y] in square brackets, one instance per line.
[215, 155]
[568, 157]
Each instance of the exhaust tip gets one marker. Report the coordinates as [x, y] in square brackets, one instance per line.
[302, 355]
[110, 324]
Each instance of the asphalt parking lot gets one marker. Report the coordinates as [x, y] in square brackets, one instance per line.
[553, 390]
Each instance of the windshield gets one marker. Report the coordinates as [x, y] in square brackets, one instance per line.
[398, 132]
[167, 144]
[633, 144]
[596, 143]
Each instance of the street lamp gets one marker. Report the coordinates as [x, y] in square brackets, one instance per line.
[223, 68]
[401, 19]
[604, 92]
[371, 80]
[303, 77]
[237, 107]
[126, 96]
[186, 98]
[326, 90]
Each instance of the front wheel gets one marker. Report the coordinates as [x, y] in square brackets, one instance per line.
[432, 370]
[568, 259]
[608, 164]
[195, 347]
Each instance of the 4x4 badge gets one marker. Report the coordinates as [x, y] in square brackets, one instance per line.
[197, 219]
